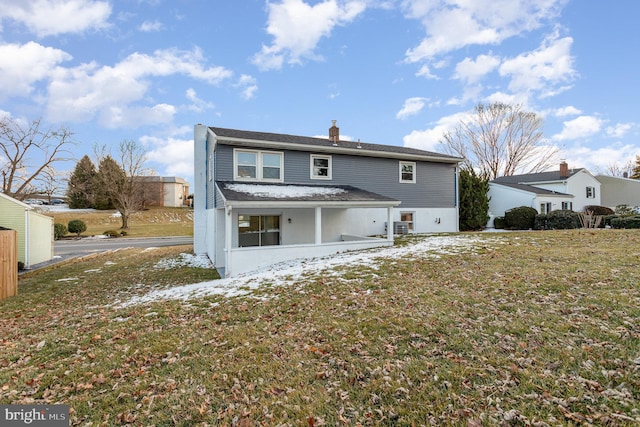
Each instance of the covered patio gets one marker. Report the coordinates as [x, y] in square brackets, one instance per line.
[258, 225]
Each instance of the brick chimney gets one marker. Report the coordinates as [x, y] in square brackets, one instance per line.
[564, 169]
[334, 133]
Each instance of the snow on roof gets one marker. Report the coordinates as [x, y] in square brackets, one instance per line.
[291, 272]
[284, 191]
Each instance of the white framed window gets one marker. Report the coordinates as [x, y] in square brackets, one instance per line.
[545, 208]
[591, 192]
[253, 165]
[567, 206]
[408, 218]
[408, 172]
[320, 166]
[258, 230]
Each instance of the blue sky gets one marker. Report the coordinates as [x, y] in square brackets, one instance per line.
[396, 72]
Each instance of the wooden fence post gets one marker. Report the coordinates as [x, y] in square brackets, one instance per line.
[8, 263]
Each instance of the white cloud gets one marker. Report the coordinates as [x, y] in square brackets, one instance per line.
[87, 91]
[471, 71]
[248, 86]
[197, 105]
[30, 63]
[297, 27]
[150, 26]
[132, 117]
[172, 152]
[619, 130]
[580, 127]
[567, 111]
[543, 69]
[53, 17]
[411, 107]
[451, 25]
[599, 159]
[429, 139]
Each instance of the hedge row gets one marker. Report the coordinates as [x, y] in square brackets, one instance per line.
[527, 218]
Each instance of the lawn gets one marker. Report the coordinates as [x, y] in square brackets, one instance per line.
[151, 222]
[535, 328]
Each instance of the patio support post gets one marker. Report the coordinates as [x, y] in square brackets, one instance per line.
[318, 218]
[390, 223]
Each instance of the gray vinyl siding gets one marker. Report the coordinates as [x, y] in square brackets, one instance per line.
[434, 187]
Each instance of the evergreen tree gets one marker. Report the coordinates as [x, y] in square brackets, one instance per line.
[636, 169]
[110, 175]
[80, 186]
[474, 201]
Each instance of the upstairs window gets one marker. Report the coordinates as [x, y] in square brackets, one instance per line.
[408, 172]
[258, 165]
[320, 167]
[591, 192]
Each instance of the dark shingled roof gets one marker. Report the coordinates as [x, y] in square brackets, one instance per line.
[535, 177]
[325, 142]
[532, 189]
[348, 193]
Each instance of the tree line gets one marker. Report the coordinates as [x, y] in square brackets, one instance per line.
[114, 184]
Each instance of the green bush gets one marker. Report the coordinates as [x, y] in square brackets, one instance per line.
[607, 219]
[520, 218]
[77, 226]
[563, 220]
[20, 265]
[540, 222]
[498, 222]
[111, 233]
[59, 231]
[626, 222]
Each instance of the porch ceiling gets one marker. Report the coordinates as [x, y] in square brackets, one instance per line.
[299, 195]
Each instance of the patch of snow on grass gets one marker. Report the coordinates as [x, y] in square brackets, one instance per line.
[185, 260]
[287, 273]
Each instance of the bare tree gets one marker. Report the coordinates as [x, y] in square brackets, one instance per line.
[120, 182]
[500, 140]
[48, 182]
[27, 151]
[616, 169]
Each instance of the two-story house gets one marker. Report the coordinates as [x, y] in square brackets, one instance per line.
[262, 198]
[564, 188]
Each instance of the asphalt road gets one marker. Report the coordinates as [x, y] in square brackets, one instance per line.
[86, 246]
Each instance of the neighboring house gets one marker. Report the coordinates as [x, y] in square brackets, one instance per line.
[619, 191]
[565, 188]
[262, 198]
[166, 191]
[35, 231]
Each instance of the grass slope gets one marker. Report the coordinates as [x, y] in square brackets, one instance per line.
[539, 328]
[152, 222]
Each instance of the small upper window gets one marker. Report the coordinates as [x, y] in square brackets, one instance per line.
[320, 167]
[408, 172]
[591, 192]
[258, 165]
